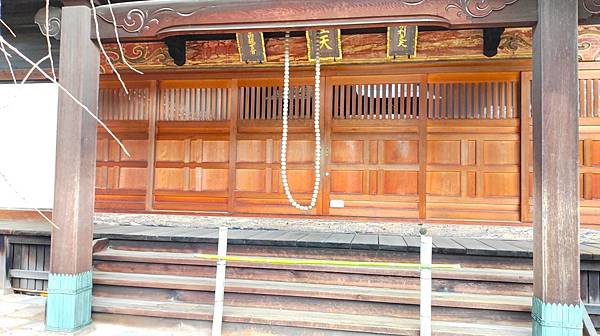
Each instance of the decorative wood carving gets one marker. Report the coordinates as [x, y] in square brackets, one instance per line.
[588, 43]
[157, 19]
[592, 6]
[54, 17]
[358, 49]
[366, 48]
[477, 8]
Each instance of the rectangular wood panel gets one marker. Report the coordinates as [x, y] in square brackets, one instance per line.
[347, 182]
[443, 183]
[400, 152]
[347, 151]
[400, 183]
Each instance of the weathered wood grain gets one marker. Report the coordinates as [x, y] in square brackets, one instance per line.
[555, 149]
[75, 147]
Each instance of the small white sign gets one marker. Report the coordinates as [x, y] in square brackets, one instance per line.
[336, 203]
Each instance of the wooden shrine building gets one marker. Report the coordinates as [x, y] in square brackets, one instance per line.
[417, 123]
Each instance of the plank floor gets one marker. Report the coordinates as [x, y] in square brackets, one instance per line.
[358, 241]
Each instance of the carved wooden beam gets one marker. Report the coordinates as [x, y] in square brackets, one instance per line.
[156, 19]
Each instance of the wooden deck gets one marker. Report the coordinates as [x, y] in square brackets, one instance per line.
[280, 238]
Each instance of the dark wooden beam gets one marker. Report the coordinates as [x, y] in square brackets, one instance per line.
[75, 148]
[491, 41]
[156, 19]
[150, 20]
[69, 286]
[556, 170]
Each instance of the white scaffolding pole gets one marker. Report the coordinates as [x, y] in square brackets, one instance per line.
[425, 315]
[220, 283]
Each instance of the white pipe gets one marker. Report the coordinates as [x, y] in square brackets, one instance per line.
[426, 246]
[220, 283]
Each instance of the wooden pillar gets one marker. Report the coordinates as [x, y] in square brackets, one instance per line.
[556, 302]
[70, 279]
[5, 287]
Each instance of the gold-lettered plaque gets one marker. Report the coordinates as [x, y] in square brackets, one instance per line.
[251, 47]
[327, 41]
[402, 41]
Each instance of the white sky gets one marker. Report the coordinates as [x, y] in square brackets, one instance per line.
[27, 145]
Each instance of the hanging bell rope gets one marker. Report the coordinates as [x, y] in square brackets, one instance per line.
[284, 135]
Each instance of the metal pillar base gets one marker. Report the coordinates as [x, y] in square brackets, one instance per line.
[555, 319]
[69, 304]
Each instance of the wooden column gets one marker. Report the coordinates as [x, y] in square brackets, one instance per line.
[556, 308]
[5, 287]
[70, 280]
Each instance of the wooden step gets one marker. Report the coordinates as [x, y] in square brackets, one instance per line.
[467, 261]
[336, 292]
[483, 274]
[303, 319]
[319, 277]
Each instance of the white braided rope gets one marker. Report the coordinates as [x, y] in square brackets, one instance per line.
[284, 136]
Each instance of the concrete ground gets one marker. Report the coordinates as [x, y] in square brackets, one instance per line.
[22, 315]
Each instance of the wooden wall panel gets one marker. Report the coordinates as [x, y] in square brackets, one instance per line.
[258, 186]
[251, 151]
[473, 170]
[121, 182]
[169, 179]
[443, 152]
[192, 146]
[443, 183]
[251, 180]
[589, 135]
[500, 184]
[349, 151]
[400, 183]
[501, 152]
[347, 182]
[400, 152]
[170, 150]
[211, 151]
[132, 178]
[374, 158]
[466, 156]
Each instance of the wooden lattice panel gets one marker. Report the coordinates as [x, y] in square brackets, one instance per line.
[473, 96]
[194, 101]
[115, 104]
[380, 101]
[263, 100]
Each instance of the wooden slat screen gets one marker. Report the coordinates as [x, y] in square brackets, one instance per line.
[266, 102]
[473, 100]
[376, 101]
[29, 263]
[589, 98]
[115, 104]
[194, 104]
